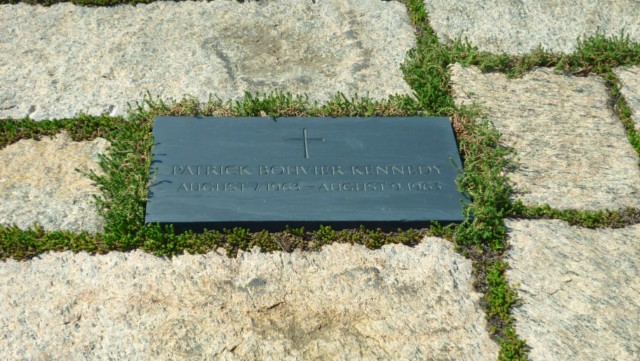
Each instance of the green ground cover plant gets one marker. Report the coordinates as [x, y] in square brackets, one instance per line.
[481, 237]
[125, 178]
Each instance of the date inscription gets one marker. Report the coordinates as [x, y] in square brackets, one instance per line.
[266, 178]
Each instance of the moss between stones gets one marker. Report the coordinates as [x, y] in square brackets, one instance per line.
[81, 128]
[482, 237]
[124, 182]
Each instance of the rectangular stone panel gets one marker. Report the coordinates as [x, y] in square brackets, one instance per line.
[570, 148]
[579, 289]
[64, 59]
[266, 173]
[520, 27]
[400, 302]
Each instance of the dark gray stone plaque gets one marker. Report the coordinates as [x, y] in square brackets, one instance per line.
[266, 173]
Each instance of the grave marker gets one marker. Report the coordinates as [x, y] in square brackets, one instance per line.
[266, 173]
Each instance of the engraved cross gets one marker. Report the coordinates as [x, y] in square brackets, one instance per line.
[306, 140]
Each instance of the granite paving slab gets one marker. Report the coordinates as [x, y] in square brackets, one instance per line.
[41, 182]
[518, 27]
[61, 60]
[630, 89]
[343, 303]
[571, 149]
[579, 290]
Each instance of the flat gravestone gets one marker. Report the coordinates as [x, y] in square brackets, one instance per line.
[267, 173]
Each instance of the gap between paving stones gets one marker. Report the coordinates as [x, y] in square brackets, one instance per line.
[503, 348]
[596, 54]
[243, 240]
[622, 218]
[627, 85]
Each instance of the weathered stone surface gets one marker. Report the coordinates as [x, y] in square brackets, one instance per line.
[630, 81]
[572, 150]
[57, 61]
[343, 303]
[579, 289]
[516, 26]
[40, 183]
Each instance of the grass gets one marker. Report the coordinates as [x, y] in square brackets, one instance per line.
[83, 127]
[123, 183]
[587, 219]
[482, 237]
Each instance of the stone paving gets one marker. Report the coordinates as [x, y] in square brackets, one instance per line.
[42, 183]
[578, 287]
[579, 290]
[342, 303]
[571, 149]
[519, 27]
[96, 60]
